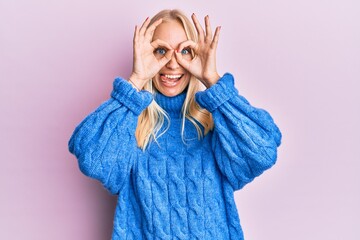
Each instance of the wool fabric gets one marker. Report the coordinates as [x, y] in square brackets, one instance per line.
[179, 187]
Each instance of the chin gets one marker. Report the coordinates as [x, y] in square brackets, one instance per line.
[169, 93]
[171, 87]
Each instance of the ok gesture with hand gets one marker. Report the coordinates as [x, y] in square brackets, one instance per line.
[203, 65]
[145, 64]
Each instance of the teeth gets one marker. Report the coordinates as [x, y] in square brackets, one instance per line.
[173, 76]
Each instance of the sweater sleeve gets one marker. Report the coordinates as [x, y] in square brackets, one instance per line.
[104, 142]
[245, 138]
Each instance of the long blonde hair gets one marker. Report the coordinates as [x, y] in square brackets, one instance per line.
[153, 117]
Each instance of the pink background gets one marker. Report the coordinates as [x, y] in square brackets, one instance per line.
[298, 59]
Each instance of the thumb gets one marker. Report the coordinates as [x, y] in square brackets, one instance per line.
[184, 63]
[166, 58]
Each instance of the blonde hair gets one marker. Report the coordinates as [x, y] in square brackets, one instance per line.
[153, 117]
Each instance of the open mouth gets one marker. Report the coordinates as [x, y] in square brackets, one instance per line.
[170, 79]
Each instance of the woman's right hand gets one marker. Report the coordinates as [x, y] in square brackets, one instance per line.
[145, 64]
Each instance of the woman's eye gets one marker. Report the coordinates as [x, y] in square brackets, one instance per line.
[185, 51]
[160, 51]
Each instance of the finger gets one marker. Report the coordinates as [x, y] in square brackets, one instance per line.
[136, 41]
[136, 34]
[215, 41]
[198, 27]
[183, 62]
[167, 57]
[150, 30]
[144, 26]
[208, 28]
[160, 43]
[189, 43]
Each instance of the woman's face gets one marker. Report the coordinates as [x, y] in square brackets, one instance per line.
[172, 79]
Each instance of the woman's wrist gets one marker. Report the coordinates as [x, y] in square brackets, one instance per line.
[208, 82]
[136, 82]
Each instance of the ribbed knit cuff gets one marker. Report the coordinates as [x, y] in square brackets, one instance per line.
[217, 94]
[124, 92]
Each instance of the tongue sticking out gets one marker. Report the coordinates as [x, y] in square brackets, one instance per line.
[170, 80]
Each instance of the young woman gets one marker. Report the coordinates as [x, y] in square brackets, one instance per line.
[172, 153]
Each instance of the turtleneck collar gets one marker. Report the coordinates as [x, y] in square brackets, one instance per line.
[172, 105]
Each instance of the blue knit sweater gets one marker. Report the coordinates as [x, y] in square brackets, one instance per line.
[176, 189]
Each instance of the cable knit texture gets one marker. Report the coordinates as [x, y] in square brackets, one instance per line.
[179, 187]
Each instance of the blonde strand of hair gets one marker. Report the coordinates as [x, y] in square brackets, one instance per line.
[153, 117]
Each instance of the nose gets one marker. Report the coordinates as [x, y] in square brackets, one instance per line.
[172, 64]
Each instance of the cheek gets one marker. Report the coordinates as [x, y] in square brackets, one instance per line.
[158, 56]
[187, 79]
[187, 57]
[155, 80]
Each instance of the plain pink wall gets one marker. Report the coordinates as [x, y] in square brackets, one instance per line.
[297, 59]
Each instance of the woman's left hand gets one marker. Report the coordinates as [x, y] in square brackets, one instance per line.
[203, 65]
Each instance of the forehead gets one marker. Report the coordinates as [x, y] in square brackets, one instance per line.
[171, 32]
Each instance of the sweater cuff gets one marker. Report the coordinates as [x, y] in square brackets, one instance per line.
[124, 92]
[217, 94]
